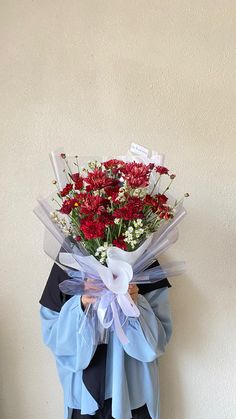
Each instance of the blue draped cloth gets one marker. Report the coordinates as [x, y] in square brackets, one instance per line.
[131, 369]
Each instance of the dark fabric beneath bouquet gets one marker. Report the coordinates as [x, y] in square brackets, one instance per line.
[54, 299]
[105, 412]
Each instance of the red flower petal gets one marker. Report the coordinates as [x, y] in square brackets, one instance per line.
[162, 170]
[92, 229]
[66, 189]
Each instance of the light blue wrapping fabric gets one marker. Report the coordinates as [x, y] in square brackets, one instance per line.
[131, 369]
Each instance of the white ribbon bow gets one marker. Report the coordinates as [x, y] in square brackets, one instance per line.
[116, 276]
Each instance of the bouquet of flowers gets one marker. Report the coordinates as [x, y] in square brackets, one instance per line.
[111, 219]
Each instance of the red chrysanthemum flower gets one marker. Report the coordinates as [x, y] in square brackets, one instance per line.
[113, 194]
[119, 242]
[162, 170]
[162, 199]
[135, 202]
[157, 203]
[79, 181]
[137, 174]
[113, 190]
[67, 206]
[115, 183]
[106, 218]
[114, 165]
[92, 204]
[131, 210]
[156, 200]
[92, 229]
[80, 196]
[165, 214]
[97, 179]
[66, 189]
[75, 177]
[151, 201]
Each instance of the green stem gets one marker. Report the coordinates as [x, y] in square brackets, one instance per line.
[155, 184]
[67, 177]
[57, 186]
[168, 187]
[109, 235]
[178, 202]
[77, 161]
[66, 162]
[74, 221]
[56, 202]
[120, 227]
[97, 241]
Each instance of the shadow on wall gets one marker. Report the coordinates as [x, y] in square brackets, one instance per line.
[188, 306]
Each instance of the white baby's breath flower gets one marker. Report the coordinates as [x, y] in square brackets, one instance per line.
[139, 232]
[116, 220]
[120, 196]
[54, 215]
[125, 185]
[66, 231]
[138, 222]
[133, 244]
[139, 192]
[101, 252]
[90, 165]
[93, 164]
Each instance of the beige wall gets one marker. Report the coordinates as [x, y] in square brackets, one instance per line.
[93, 76]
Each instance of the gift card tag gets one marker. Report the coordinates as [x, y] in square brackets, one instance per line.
[139, 149]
